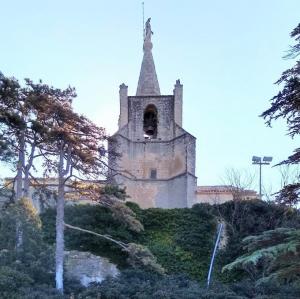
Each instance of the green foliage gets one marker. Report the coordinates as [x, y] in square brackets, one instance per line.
[147, 285]
[114, 190]
[139, 256]
[285, 105]
[12, 280]
[180, 239]
[33, 256]
[249, 289]
[251, 218]
[6, 193]
[6, 154]
[275, 253]
[94, 218]
[123, 214]
[30, 265]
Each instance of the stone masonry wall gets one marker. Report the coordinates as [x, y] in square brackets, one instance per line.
[167, 158]
[174, 164]
[158, 193]
[165, 112]
[156, 172]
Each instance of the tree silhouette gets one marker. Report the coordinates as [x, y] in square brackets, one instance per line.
[286, 105]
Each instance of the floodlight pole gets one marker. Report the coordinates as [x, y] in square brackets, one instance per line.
[260, 180]
[261, 161]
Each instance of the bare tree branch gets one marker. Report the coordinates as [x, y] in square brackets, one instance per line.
[107, 237]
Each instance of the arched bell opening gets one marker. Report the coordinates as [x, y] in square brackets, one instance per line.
[150, 122]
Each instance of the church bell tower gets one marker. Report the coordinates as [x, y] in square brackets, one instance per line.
[151, 154]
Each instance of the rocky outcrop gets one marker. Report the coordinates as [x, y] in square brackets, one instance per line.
[87, 268]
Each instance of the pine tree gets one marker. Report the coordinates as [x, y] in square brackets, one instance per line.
[273, 255]
[286, 105]
[70, 150]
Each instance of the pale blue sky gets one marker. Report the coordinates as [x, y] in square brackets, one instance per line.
[226, 53]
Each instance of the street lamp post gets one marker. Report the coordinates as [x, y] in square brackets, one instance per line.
[261, 161]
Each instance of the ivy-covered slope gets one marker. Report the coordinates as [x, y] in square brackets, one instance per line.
[181, 239]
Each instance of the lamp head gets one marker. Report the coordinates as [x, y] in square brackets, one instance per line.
[256, 159]
[268, 159]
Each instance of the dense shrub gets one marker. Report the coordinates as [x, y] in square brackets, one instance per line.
[97, 219]
[145, 285]
[246, 218]
[30, 264]
[181, 239]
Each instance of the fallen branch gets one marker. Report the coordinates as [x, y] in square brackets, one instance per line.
[107, 237]
[138, 255]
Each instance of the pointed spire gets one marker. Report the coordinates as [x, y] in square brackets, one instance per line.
[148, 82]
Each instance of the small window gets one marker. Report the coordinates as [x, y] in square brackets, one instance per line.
[153, 174]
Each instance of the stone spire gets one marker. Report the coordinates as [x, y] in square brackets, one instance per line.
[148, 83]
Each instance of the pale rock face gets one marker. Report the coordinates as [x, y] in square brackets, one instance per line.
[88, 268]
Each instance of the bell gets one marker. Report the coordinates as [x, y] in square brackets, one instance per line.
[149, 130]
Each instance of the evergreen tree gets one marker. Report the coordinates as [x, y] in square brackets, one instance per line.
[32, 265]
[286, 105]
[70, 150]
[21, 133]
[38, 121]
[272, 255]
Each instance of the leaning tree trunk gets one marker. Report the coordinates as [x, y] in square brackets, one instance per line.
[26, 184]
[19, 189]
[21, 157]
[27, 171]
[59, 254]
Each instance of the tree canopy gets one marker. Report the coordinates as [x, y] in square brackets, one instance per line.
[286, 105]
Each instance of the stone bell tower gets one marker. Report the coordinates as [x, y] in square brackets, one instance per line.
[151, 154]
